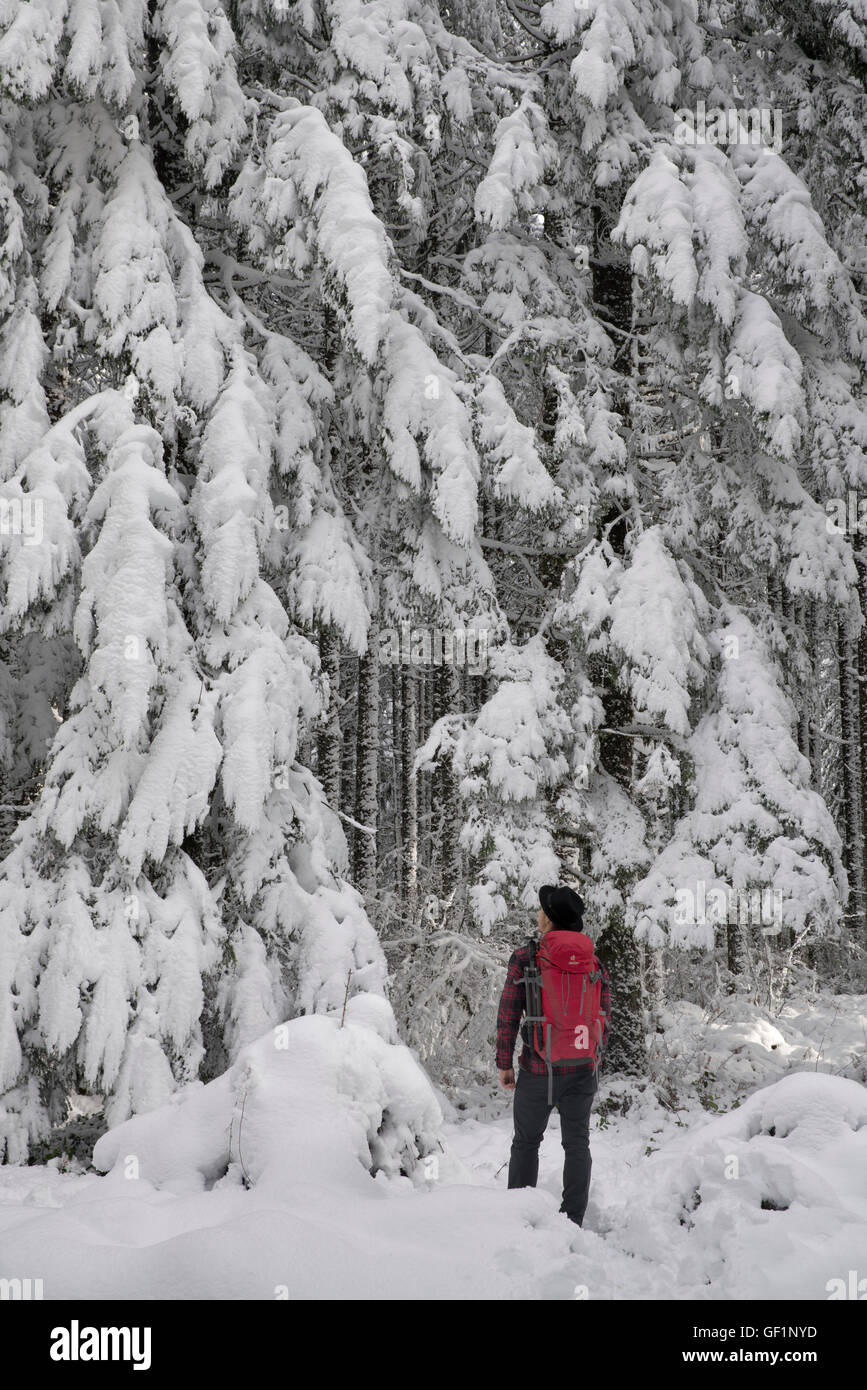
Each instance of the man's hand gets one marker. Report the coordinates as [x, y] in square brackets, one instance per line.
[507, 1079]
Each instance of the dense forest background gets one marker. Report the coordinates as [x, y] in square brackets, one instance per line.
[426, 474]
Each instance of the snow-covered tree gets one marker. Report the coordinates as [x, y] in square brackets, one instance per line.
[323, 322]
[756, 835]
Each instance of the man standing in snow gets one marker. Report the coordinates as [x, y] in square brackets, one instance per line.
[563, 1073]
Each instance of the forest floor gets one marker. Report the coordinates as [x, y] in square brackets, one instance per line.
[744, 1177]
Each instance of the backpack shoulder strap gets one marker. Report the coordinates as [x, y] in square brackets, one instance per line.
[533, 982]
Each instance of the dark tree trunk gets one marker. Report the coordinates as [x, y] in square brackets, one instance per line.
[367, 772]
[409, 790]
[329, 747]
[447, 800]
[853, 842]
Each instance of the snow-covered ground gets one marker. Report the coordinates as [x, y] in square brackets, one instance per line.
[767, 1199]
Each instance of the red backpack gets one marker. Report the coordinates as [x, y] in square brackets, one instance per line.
[564, 1001]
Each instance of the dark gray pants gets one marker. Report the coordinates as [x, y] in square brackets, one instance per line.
[573, 1094]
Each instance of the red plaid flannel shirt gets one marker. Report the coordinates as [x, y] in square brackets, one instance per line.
[513, 1003]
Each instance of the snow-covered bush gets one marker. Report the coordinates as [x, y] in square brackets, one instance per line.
[764, 1197]
[723, 1051]
[309, 1100]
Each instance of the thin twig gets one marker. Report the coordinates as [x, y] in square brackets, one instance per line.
[345, 997]
[240, 1127]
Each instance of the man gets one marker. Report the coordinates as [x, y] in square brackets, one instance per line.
[541, 1086]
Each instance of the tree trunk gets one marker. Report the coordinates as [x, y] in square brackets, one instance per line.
[349, 727]
[617, 947]
[426, 722]
[861, 656]
[734, 954]
[367, 772]
[853, 846]
[330, 741]
[409, 790]
[448, 810]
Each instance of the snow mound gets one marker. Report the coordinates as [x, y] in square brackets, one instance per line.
[309, 1099]
[769, 1200]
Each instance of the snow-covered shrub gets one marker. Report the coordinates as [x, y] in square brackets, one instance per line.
[446, 992]
[309, 1100]
[765, 1196]
[725, 1050]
